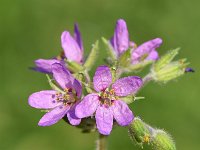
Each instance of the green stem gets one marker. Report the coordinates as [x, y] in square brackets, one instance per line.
[101, 142]
[146, 79]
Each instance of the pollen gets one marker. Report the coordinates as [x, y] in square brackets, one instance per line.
[105, 95]
[146, 139]
[112, 91]
[66, 90]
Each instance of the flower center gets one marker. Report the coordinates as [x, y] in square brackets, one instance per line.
[107, 97]
[67, 97]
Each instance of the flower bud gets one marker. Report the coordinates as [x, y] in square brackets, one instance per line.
[139, 131]
[162, 141]
[170, 71]
[166, 59]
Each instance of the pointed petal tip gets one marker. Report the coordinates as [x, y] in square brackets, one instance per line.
[158, 41]
[121, 22]
[72, 46]
[44, 65]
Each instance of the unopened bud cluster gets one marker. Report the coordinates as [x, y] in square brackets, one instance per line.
[142, 133]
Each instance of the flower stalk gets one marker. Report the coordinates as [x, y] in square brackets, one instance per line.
[101, 142]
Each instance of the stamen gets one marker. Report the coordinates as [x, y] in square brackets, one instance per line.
[112, 91]
[146, 139]
[107, 97]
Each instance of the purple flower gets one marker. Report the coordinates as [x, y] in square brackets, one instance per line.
[120, 39]
[45, 65]
[106, 102]
[58, 104]
[120, 43]
[146, 51]
[72, 46]
[73, 51]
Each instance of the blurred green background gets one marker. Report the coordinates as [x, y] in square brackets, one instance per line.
[31, 29]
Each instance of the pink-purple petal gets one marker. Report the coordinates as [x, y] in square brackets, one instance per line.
[62, 76]
[102, 78]
[145, 49]
[77, 87]
[120, 39]
[53, 116]
[122, 114]
[43, 99]
[87, 106]
[127, 85]
[72, 118]
[71, 48]
[104, 120]
[153, 55]
[44, 65]
[77, 36]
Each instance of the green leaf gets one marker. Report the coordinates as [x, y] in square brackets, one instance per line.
[166, 59]
[136, 67]
[109, 49]
[92, 56]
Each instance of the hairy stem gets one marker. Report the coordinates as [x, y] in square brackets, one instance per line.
[146, 79]
[101, 142]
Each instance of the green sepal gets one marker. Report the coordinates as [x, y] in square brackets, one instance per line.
[79, 76]
[170, 71]
[130, 98]
[82, 78]
[92, 56]
[109, 49]
[162, 141]
[137, 67]
[89, 89]
[125, 58]
[166, 59]
[53, 85]
[74, 66]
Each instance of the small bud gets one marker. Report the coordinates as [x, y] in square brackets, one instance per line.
[162, 141]
[139, 131]
[189, 70]
[166, 59]
[92, 56]
[170, 71]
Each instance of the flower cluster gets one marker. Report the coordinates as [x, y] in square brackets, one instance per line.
[76, 98]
